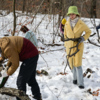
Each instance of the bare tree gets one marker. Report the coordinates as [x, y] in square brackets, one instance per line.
[14, 23]
[93, 9]
[24, 3]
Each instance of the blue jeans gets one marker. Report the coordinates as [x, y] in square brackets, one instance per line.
[78, 75]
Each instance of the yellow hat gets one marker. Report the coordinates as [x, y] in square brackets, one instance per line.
[63, 21]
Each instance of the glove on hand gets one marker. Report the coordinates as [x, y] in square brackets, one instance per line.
[81, 39]
[4, 73]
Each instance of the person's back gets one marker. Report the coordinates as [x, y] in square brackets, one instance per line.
[23, 47]
[16, 42]
[31, 36]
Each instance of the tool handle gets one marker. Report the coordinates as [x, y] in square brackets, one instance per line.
[3, 81]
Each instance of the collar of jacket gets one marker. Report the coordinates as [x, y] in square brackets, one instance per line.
[76, 26]
[73, 22]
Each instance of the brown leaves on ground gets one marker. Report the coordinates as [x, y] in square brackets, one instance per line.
[61, 73]
[94, 93]
[38, 72]
[42, 72]
[88, 70]
[41, 52]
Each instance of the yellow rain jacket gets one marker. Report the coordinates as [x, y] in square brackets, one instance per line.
[77, 31]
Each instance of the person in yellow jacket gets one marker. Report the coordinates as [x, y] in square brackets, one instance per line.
[74, 28]
[62, 25]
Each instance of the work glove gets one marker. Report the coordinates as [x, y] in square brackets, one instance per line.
[81, 39]
[4, 73]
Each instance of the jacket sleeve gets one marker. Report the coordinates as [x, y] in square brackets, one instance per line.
[97, 27]
[13, 58]
[1, 59]
[9, 63]
[65, 34]
[87, 32]
[31, 36]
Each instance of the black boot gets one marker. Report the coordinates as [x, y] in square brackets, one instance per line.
[74, 81]
[38, 98]
[81, 87]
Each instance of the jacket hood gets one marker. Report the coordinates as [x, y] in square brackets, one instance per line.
[4, 42]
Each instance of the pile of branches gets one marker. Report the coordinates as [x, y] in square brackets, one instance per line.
[14, 93]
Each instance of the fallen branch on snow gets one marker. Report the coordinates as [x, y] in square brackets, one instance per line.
[14, 92]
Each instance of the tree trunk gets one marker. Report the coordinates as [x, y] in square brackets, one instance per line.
[23, 9]
[51, 6]
[14, 23]
[73, 2]
[93, 9]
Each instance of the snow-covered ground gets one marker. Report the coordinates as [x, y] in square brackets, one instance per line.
[56, 86]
